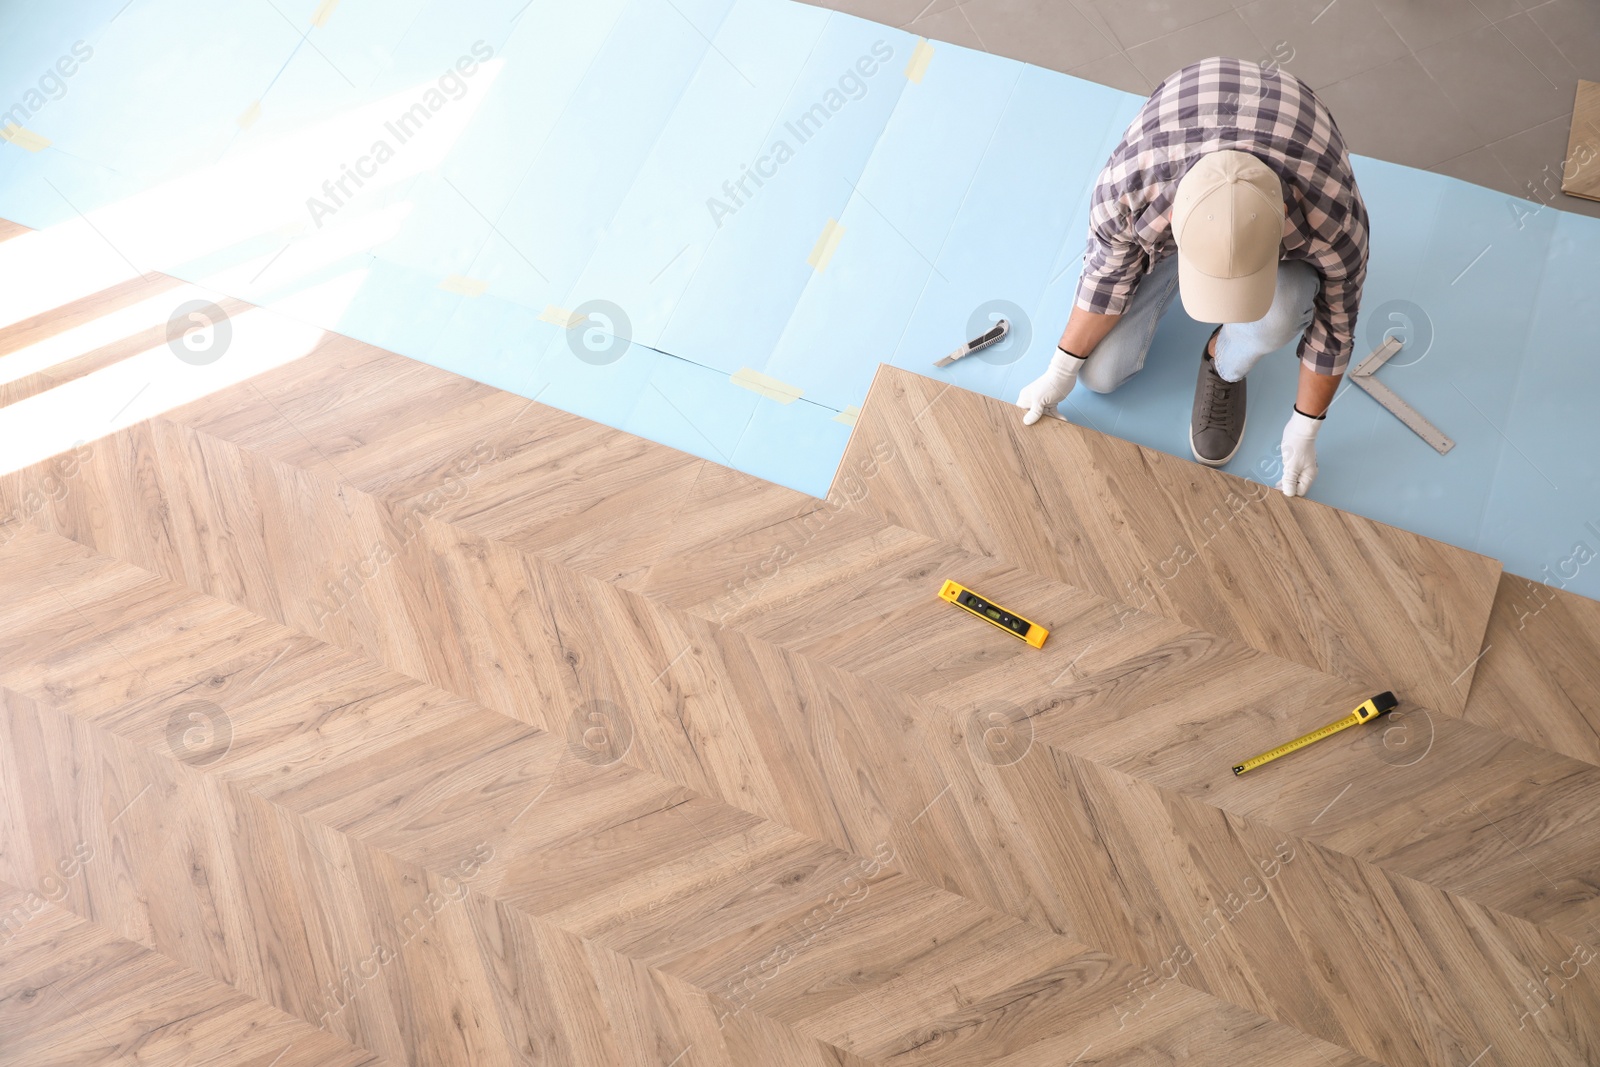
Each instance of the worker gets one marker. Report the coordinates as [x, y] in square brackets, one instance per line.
[1231, 186]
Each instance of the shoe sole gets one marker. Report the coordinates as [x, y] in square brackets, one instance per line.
[1223, 462]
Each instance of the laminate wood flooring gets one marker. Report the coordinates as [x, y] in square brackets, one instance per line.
[1539, 678]
[360, 713]
[1299, 579]
[1580, 168]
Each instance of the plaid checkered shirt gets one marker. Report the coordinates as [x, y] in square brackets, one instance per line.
[1220, 104]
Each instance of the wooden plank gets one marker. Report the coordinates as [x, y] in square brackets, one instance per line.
[73, 992]
[153, 335]
[124, 294]
[1539, 678]
[1580, 170]
[1345, 595]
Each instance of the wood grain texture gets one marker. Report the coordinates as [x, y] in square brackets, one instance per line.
[729, 784]
[17, 335]
[1332, 590]
[72, 992]
[1539, 678]
[148, 333]
[698, 735]
[1580, 175]
[446, 884]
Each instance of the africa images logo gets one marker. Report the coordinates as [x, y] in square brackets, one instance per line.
[851, 85]
[451, 85]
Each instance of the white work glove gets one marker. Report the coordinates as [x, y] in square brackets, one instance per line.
[1299, 454]
[1040, 396]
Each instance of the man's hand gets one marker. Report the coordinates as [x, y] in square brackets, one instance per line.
[1299, 454]
[1040, 396]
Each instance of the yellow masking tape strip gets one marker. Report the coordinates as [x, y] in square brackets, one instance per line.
[22, 138]
[324, 10]
[920, 57]
[247, 117]
[848, 416]
[460, 283]
[825, 246]
[766, 385]
[560, 317]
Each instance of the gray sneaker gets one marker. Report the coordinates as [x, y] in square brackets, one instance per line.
[1216, 426]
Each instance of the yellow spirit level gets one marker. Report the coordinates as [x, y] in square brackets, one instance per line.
[1370, 709]
[1009, 621]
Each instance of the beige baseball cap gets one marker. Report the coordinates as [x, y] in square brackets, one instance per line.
[1227, 220]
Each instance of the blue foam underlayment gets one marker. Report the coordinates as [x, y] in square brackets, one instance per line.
[594, 162]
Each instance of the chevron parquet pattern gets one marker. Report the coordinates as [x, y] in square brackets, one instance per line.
[361, 713]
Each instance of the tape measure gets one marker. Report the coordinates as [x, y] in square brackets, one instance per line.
[1369, 709]
[993, 613]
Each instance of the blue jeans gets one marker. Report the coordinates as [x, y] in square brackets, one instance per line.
[1122, 353]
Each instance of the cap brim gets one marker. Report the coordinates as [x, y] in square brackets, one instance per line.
[1210, 299]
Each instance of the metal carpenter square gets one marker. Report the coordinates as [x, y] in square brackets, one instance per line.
[1362, 375]
[1405, 413]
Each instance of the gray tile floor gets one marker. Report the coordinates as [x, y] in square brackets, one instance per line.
[1478, 89]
